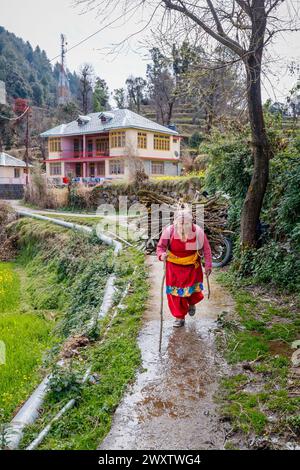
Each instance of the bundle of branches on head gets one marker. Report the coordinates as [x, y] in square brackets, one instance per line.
[208, 211]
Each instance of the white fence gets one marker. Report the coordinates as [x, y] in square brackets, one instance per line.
[10, 180]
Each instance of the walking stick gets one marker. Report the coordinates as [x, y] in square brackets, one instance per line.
[208, 286]
[162, 306]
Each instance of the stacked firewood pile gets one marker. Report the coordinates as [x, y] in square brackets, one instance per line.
[211, 211]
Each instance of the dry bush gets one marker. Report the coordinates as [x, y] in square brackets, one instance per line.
[187, 162]
[60, 197]
[84, 193]
[7, 242]
[136, 169]
[42, 195]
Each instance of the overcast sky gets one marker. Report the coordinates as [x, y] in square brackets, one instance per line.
[41, 23]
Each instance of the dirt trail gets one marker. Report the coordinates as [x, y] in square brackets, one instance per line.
[170, 405]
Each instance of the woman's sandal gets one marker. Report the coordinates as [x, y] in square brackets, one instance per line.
[192, 310]
[178, 323]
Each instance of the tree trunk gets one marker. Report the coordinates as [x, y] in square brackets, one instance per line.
[261, 152]
[170, 112]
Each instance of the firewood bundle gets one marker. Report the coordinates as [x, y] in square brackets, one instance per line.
[214, 215]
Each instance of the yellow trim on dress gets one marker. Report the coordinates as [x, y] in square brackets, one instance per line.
[185, 261]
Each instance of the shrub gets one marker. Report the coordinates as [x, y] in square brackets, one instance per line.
[195, 140]
[230, 168]
[40, 194]
[277, 260]
[7, 242]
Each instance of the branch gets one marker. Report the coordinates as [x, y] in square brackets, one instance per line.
[223, 39]
[216, 18]
[244, 6]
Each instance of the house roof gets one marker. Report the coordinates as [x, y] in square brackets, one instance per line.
[116, 119]
[8, 160]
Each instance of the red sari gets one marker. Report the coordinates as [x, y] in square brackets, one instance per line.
[184, 284]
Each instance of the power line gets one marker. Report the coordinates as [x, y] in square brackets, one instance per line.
[94, 34]
[14, 119]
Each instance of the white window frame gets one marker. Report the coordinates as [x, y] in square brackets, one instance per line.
[153, 163]
[116, 167]
[55, 169]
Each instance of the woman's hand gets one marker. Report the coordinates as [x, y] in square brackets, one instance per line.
[163, 257]
[208, 272]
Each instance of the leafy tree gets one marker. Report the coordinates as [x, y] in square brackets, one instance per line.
[100, 95]
[86, 87]
[119, 96]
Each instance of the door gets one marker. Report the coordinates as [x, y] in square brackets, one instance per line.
[101, 169]
[92, 170]
[78, 170]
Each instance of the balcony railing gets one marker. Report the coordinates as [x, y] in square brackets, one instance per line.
[80, 154]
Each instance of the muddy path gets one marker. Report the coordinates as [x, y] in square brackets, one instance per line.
[170, 405]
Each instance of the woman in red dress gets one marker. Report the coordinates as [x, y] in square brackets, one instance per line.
[181, 246]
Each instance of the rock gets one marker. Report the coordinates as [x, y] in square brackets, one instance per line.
[296, 358]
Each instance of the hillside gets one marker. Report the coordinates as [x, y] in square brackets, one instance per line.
[187, 118]
[28, 73]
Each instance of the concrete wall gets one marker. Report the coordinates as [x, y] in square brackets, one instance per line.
[7, 176]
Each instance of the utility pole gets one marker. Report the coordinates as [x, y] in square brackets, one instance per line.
[27, 146]
[63, 86]
[22, 108]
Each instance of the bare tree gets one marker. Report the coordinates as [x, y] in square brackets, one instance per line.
[162, 86]
[219, 93]
[245, 27]
[135, 89]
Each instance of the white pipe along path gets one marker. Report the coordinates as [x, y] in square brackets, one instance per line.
[30, 410]
[38, 440]
[81, 228]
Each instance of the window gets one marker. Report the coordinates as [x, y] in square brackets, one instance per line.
[54, 145]
[161, 142]
[78, 147]
[55, 169]
[117, 139]
[116, 167]
[157, 168]
[102, 145]
[17, 172]
[90, 148]
[142, 140]
[92, 170]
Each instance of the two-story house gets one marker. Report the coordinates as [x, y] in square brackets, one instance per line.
[99, 145]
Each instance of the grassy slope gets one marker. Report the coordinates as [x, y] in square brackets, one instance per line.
[261, 396]
[26, 334]
[114, 360]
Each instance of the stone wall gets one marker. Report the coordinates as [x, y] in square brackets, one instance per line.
[11, 191]
[176, 189]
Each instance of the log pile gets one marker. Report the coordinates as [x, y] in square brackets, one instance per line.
[215, 215]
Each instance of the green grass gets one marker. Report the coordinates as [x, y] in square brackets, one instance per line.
[26, 335]
[50, 291]
[115, 361]
[260, 333]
